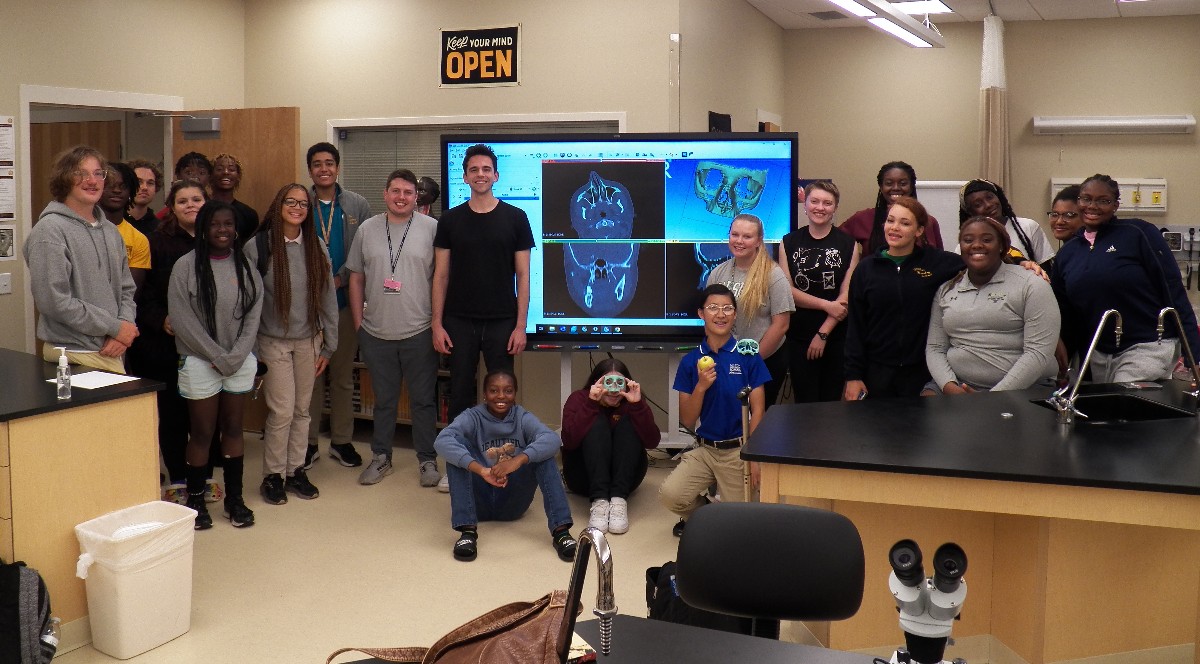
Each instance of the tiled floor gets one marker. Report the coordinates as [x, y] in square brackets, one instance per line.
[371, 566]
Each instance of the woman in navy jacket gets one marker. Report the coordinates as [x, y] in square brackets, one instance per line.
[1121, 264]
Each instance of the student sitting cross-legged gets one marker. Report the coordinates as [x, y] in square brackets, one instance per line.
[496, 454]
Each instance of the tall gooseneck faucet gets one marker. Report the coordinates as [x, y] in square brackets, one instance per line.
[591, 539]
[1187, 348]
[1064, 401]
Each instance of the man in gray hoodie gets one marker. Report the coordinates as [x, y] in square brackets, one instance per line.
[78, 270]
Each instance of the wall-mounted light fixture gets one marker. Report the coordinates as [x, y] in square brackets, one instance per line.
[885, 17]
[1113, 124]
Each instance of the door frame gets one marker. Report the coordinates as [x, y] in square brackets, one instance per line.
[83, 99]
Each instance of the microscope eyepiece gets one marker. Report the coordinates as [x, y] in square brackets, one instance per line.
[905, 558]
[949, 565]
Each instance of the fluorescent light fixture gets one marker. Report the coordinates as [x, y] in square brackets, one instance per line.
[854, 8]
[899, 33]
[923, 7]
[918, 34]
[1113, 124]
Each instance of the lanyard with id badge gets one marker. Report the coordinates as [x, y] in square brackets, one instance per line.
[391, 285]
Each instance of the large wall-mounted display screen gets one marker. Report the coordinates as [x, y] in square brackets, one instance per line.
[628, 226]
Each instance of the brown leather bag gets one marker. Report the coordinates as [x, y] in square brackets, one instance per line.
[517, 633]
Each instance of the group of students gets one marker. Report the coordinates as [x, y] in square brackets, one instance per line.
[872, 308]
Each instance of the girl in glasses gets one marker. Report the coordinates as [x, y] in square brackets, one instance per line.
[296, 337]
[606, 429]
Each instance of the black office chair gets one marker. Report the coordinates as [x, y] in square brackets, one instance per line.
[771, 562]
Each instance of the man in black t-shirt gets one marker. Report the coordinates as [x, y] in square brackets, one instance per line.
[481, 247]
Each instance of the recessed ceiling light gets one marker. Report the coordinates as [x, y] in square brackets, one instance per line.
[899, 33]
[919, 7]
[854, 8]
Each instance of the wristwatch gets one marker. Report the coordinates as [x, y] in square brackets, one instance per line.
[823, 336]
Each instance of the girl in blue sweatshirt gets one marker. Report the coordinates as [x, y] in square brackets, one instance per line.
[496, 454]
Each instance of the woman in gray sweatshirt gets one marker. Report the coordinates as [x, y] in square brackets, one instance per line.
[296, 336]
[214, 302]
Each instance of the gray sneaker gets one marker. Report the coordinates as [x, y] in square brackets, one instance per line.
[379, 468]
[429, 473]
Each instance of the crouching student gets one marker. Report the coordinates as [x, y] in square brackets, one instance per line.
[496, 454]
[710, 394]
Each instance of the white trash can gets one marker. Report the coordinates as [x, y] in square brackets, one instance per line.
[137, 566]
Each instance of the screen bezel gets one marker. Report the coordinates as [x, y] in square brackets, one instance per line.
[666, 333]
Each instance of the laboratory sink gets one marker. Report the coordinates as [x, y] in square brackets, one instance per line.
[1120, 409]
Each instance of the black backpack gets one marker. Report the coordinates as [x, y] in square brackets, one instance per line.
[24, 616]
[664, 603]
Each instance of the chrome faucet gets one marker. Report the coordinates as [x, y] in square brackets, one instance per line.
[1187, 348]
[1064, 400]
[591, 539]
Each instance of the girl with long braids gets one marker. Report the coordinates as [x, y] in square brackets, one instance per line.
[981, 198]
[214, 302]
[895, 179]
[763, 295]
[296, 336]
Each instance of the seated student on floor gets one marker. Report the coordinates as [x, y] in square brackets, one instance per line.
[496, 454]
[710, 395]
[606, 429]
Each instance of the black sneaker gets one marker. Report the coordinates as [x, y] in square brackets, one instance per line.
[272, 489]
[677, 530]
[565, 545]
[238, 514]
[299, 485]
[203, 519]
[311, 456]
[467, 547]
[345, 454]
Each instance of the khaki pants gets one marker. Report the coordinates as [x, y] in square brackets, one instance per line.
[341, 387]
[287, 387]
[697, 469]
[85, 359]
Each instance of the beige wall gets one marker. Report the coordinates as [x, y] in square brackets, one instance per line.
[361, 59]
[874, 100]
[193, 49]
[731, 62]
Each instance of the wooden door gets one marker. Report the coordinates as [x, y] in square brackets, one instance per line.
[265, 140]
[47, 140]
[267, 143]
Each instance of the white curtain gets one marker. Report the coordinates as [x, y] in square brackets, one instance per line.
[994, 160]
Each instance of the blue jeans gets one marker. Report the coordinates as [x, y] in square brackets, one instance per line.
[472, 500]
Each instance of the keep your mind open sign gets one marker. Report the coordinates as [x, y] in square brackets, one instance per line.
[481, 56]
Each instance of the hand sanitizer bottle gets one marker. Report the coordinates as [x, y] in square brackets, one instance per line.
[64, 375]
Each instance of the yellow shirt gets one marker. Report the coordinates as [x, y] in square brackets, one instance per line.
[137, 247]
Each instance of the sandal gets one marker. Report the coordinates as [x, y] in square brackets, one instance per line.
[565, 545]
[466, 548]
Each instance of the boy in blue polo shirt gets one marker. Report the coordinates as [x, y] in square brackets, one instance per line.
[711, 396]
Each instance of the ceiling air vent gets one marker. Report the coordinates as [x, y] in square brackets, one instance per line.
[827, 16]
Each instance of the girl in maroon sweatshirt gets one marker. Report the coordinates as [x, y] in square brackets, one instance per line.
[606, 429]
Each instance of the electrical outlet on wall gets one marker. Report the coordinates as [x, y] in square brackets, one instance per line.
[6, 283]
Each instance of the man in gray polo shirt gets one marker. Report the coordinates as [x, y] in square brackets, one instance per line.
[391, 270]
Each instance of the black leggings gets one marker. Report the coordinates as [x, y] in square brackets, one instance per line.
[609, 463]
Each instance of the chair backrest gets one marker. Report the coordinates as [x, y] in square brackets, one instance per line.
[760, 560]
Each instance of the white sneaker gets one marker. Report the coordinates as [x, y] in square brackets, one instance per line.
[444, 484]
[618, 516]
[599, 518]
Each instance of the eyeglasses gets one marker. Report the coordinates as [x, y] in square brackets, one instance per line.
[1066, 216]
[719, 308]
[1102, 202]
[83, 175]
[295, 203]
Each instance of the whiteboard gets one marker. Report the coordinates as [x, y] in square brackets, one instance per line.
[940, 198]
